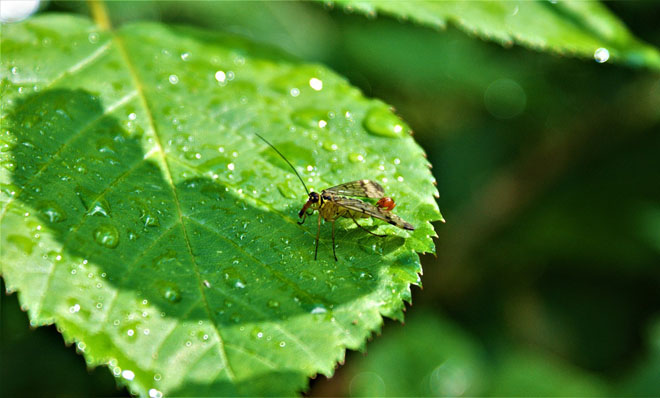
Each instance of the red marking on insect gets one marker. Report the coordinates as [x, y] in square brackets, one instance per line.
[386, 203]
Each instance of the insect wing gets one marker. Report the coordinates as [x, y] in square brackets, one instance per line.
[361, 188]
[359, 206]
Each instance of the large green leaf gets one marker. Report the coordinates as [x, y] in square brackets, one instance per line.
[143, 217]
[579, 28]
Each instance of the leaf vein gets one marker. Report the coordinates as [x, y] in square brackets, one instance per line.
[158, 141]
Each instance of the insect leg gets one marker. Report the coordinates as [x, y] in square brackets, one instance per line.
[303, 220]
[318, 232]
[356, 223]
[333, 240]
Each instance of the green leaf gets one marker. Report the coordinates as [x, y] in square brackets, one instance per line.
[579, 28]
[142, 216]
[430, 357]
[434, 357]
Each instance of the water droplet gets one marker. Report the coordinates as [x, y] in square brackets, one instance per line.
[52, 211]
[107, 236]
[601, 55]
[153, 393]
[100, 207]
[93, 37]
[273, 303]
[174, 79]
[309, 117]
[8, 189]
[318, 309]
[221, 77]
[330, 146]
[128, 375]
[381, 121]
[356, 158]
[185, 56]
[257, 333]
[74, 308]
[316, 84]
[171, 293]
[150, 219]
[282, 344]
[294, 92]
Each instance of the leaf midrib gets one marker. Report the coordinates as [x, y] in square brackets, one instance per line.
[168, 174]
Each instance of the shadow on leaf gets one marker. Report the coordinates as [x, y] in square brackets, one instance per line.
[193, 248]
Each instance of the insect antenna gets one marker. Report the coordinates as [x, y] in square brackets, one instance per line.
[285, 159]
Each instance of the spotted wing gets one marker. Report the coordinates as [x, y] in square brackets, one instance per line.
[361, 188]
[358, 206]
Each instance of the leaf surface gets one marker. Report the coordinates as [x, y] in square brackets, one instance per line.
[578, 28]
[142, 216]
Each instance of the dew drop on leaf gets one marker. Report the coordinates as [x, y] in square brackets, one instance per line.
[356, 157]
[106, 236]
[381, 121]
[99, 207]
[318, 309]
[601, 55]
[52, 211]
[150, 219]
[153, 393]
[273, 303]
[8, 189]
[309, 117]
[171, 293]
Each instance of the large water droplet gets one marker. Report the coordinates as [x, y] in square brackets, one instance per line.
[309, 117]
[318, 309]
[381, 121]
[107, 236]
[100, 207]
[52, 211]
[355, 157]
[601, 55]
[171, 293]
[153, 393]
[150, 219]
[316, 84]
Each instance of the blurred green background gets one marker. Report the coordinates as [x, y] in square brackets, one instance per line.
[547, 275]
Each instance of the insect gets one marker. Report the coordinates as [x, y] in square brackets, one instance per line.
[333, 203]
